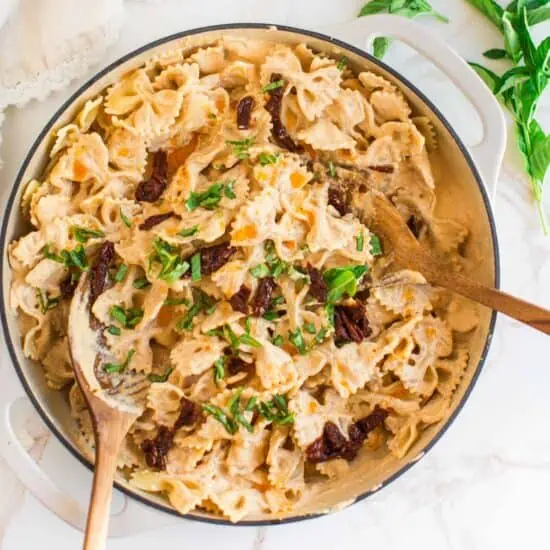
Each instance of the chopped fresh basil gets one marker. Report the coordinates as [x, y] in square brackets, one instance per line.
[297, 338]
[273, 86]
[342, 63]
[125, 219]
[201, 302]
[176, 302]
[228, 423]
[343, 280]
[360, 242]
[310, 328]
[159, 378]
[83, 235]
[219, 369]
[321, 335]
[128, 318]
[114, 330]
[277, 340]
[173, 266]
[251, 405]
[276, 410]
[260, 271]
[331, 169]
[272, 315]
[189, 232]
[45, 303]
[267, 158]
[119, 367]
[211, 198]
[241, 146]
[196, 267]
[228, 189]
[248, 340]
[375, 246]
[69, 258]
[141, 282]
[121, 273]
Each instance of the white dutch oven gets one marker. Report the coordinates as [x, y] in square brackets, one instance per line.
[467, 178]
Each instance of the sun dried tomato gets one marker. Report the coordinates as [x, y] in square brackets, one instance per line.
[318, 287]
[214, 257]
[351, 323]
[189, 414]
[339, 200]
[273, 107]
[98, 272]
[244, 112]
[151, 190]
[239, 300]
[151, 221]
[262, 298]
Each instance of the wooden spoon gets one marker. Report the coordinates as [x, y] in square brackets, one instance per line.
[115, 401]
[408, 253]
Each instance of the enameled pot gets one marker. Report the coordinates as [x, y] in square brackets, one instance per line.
[463, 182]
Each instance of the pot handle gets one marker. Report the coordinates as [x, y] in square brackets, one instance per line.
[489, 152]
[131, 520]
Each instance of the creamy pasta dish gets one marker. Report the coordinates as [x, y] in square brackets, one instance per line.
[215, 200]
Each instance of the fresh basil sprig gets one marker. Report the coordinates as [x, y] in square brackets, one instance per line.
[521, 86]
[405, 8]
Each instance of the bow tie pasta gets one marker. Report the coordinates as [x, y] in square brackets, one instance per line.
[228, 183]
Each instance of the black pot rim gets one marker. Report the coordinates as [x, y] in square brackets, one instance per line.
[201, 30]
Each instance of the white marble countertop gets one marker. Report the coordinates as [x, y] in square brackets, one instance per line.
[485, 484]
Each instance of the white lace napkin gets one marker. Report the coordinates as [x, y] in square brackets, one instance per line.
[44, 44]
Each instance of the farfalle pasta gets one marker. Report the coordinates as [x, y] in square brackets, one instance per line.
[225, 190]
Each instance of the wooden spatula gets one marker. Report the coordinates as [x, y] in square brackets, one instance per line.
[408, 253]
[115, 401]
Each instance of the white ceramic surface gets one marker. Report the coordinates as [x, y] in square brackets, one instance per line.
[484, 484]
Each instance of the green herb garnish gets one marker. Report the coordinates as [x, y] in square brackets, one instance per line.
[297, 338]
[248, 340]
[114, 330]
[121, 273]
[521, 87]
[360, 244]
[331, 169]
[277, 340]
[310, 328]
[343, 280]
[260, 271]
[125, 219]
[173, 266]
[241, 147]
[141, 282]
[219, 369]
[342, 63]
[201, 302]
[228, 423]
[276, 410]
[45, 303]
[176, 302]
[196, 267]
[273, 86]
[267, 158]
[119, 367]
[375, 245]
[159, 378]
[69, 258]
[83, 235]
[210, 198]
[189, 232]
[128, 318]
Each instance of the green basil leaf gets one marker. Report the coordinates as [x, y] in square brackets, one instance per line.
[490, 9]
[273, 86]
[297, 338]
[260, 271]
[141, 282]
[345, 283]
[538, 15]
[511, 78]
[228, 423]
[196, 267]
[277, 340]
[83, 234]
[374, 6]
[539, 159]
[159, 378]
[543, 55]
[125, 219]
[526, 42]
[219, 369]
[115, 331]
[375, 246]
[189, 232]
[489, 77]
[360, 242]
[380, 46]
[511, 39]
[342, 63]
[248, 340]
[121, 273]
[267, 158]
[495, 53]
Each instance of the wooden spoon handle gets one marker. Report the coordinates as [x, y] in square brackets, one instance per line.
[530, 314]
[107, 446]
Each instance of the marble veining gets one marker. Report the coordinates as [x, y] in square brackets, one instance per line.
[484, 485]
